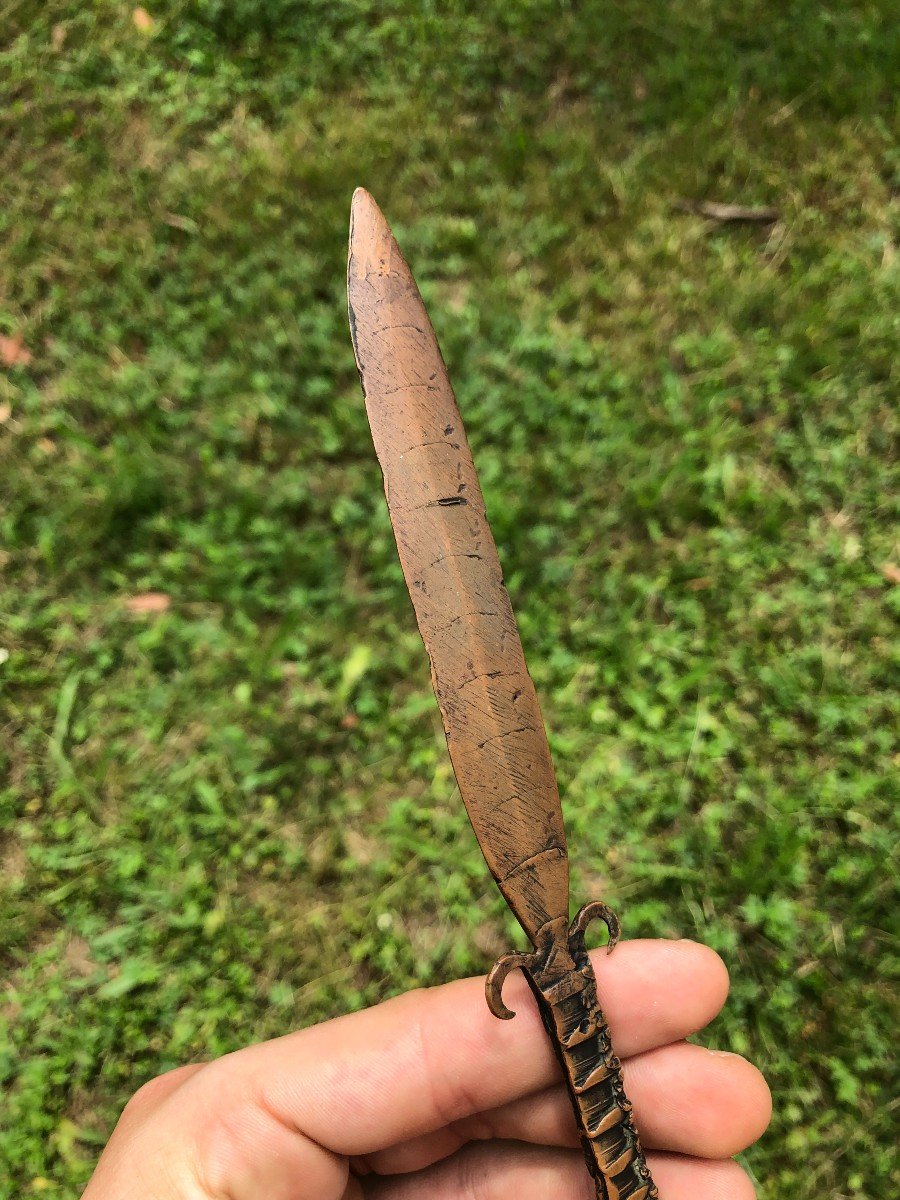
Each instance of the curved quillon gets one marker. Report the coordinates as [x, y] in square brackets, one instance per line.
[538, 961]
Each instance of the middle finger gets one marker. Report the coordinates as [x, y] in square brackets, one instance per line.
[687, 1099]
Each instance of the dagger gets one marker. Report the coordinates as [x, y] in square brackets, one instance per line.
[488, 704]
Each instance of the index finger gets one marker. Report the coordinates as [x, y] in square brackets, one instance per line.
[422, 1060]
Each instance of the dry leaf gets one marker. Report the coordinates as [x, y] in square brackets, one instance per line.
[142, 20]
[148, 602]
[362, 849]
[57, 36]
[5, 413]
[46, 445]
[13, 351]
[185, 224]
[77, 955]
[729, 212]
[891, 572]
[700, 584]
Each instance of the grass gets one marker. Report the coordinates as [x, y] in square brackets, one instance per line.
[237, 815]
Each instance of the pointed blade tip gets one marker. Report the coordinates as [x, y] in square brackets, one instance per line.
[371, 241]
[363, 207]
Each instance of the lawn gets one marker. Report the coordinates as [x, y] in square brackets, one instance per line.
[234, 814]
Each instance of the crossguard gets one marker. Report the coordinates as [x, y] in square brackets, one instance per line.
[551, 942]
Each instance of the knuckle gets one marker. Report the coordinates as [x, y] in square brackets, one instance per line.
[479, 1127]
[155, 1090]
[449, 1094]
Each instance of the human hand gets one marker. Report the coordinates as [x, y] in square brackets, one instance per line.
[429, 1096]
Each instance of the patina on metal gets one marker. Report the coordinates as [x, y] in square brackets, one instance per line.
[490, 711]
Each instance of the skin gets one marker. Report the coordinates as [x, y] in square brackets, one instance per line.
[428, 1095]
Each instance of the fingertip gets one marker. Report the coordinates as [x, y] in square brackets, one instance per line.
[713, 979]
[690, 1100]
[752, 1100]
[681, 1178]
[657, 991]
[711, 963]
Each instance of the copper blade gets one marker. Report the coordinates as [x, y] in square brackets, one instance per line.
[488, 704]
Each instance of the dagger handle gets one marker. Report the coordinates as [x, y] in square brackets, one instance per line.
[562, 979]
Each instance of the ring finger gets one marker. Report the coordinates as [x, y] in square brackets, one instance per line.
[495, 1172]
